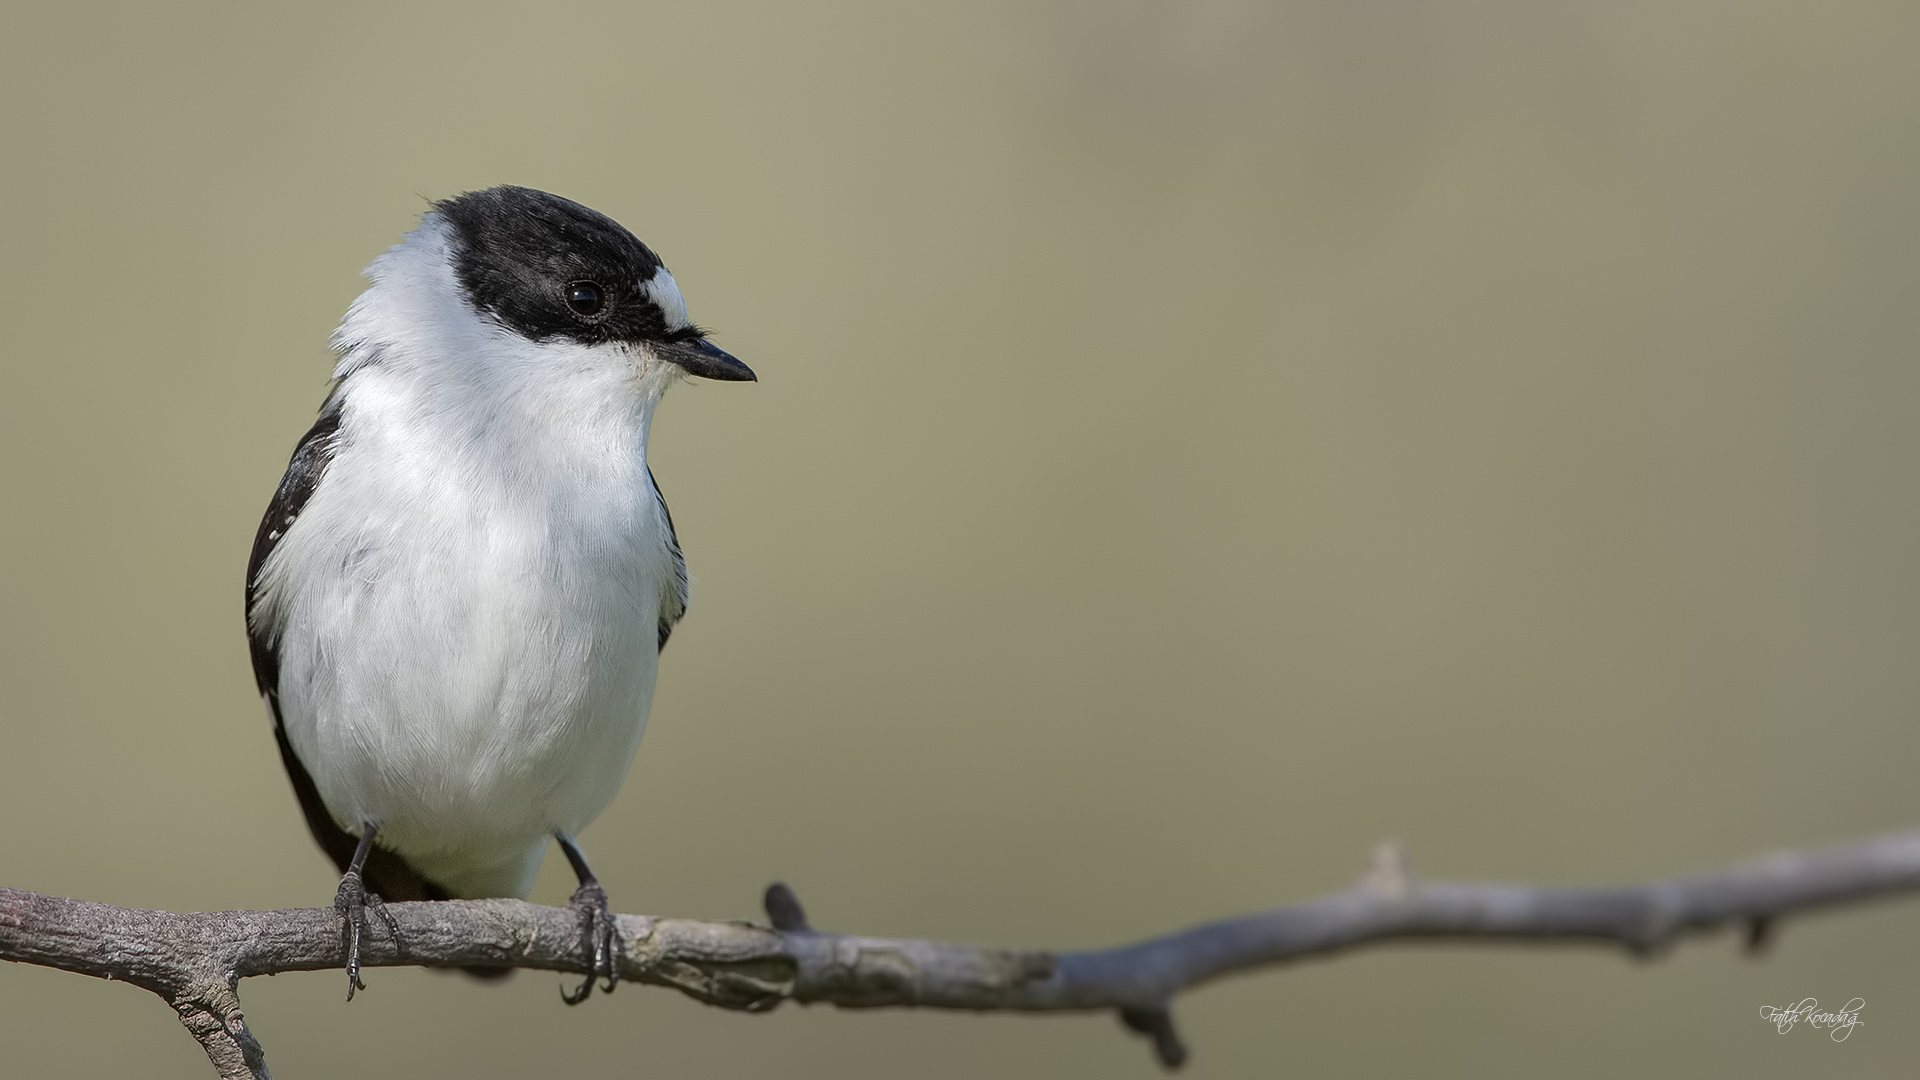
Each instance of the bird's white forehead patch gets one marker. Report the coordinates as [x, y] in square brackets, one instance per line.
[666, 295]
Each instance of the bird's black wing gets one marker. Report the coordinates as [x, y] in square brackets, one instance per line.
[676, 605]
[386, 874]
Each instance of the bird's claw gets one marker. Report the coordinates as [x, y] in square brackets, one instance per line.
[599, 938]
[352, 902]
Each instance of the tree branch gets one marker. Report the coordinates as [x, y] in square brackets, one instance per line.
[195, 961]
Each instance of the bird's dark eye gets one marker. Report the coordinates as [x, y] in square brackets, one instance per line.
[586, 298]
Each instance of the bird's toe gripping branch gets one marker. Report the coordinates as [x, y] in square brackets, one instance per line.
[352, 901]
[599, 939]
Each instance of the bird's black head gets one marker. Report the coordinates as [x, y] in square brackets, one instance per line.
[546, 267]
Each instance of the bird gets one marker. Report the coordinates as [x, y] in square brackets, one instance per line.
[458, 594]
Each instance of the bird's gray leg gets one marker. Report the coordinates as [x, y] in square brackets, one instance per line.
[599, 937]
[352, 901]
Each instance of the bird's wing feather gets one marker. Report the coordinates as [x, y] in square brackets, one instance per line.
[309, 463]
[386, 874]
[674, 606]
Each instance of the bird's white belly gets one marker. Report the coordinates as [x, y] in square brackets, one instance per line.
[477, 689]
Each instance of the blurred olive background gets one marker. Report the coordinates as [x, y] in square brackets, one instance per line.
[1195, 443]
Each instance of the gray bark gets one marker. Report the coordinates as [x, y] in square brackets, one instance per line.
[195, 961]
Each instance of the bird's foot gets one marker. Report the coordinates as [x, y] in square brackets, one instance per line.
[599, 938]
[352, 902]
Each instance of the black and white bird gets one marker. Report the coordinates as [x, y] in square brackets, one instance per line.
[458, 596]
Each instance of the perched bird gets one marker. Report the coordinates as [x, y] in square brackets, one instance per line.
[458, 596]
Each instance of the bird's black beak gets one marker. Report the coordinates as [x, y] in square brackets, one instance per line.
[699, 357]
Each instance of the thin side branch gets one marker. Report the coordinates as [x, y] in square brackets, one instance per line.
[195, 961]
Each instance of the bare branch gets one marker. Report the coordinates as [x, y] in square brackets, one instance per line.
[195, 961]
